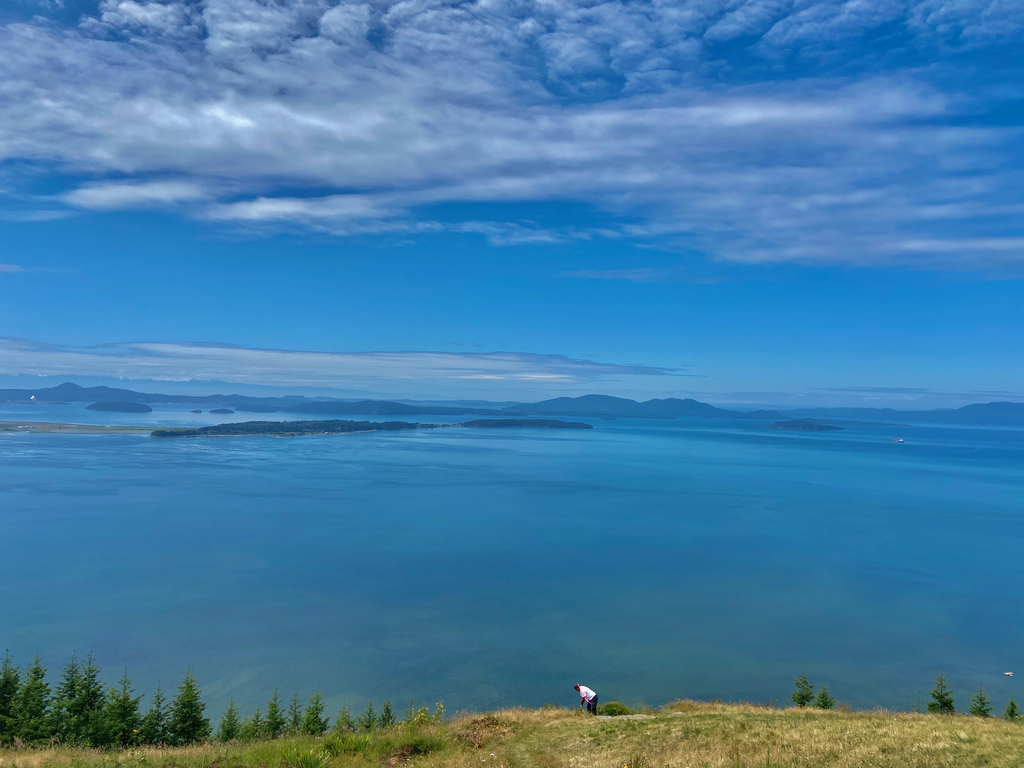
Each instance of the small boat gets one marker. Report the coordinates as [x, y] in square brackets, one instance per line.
[1008, 674]
[896, 440]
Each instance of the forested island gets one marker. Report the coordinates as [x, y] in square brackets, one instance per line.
[341, 427]
[289, 428]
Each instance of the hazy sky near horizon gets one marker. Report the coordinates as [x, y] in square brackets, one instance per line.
[762, 201]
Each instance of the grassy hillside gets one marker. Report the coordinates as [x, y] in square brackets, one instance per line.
[684, 734]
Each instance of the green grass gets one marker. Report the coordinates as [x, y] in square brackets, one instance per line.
[684, 734]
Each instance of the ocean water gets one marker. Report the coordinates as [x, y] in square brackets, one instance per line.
[650, 560]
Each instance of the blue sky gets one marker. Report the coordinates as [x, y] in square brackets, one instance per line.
[744, 202]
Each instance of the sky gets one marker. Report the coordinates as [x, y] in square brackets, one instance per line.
[762, 202]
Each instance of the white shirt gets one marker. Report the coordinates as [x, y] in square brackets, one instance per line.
[586, 693]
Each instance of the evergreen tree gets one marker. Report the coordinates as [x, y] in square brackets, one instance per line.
[1012, 711]
[314, 723]
[123, 722]
[804, 693]
[276, 721]
[942, 697]
[154, 723]
[980, 704]
[387, 715]
[295, 714]
[33, 704]
[230, 724]
[10, 682]
[186, 724]
[824, 700]
[62, 718]
[253, 727]
[89, 705]
[368, 720]
[344, 723]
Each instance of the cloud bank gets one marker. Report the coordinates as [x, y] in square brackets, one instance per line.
[817, 131]
[404, 373]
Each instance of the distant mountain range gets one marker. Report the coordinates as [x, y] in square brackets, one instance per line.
[599, 406]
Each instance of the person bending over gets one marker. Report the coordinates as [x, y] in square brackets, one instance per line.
[587, 697]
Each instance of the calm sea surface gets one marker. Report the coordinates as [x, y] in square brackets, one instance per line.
[651, 560]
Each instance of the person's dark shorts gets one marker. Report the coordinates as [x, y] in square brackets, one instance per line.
[592, 705]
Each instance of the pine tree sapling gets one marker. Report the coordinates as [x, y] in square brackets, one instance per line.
[295, 714]
[387, 715]
[942, 697]
[252, 727]
[276, 721]
[804, 693]
[33, 704]
[230, 724]
[1012, 710]
[314, 723]
[10, 683]
[824, 700]
[154, 723]
[122, 715]
[344, 722]
[88, 708]
[186, 723]
[63, 715]
[980, 705]
[368, 720]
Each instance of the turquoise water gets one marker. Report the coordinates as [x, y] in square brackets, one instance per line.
[650, 560]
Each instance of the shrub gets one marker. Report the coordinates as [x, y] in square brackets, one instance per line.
[614, 709]
[1012, 711]
[310, 758]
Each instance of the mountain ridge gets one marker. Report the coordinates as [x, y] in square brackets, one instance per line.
[998, 413]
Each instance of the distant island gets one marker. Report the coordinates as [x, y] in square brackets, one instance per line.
[543, 423]
[342, 427]
[804, 425]
[289, 428]
[120, 407]
[222, 410]
[1001, 414]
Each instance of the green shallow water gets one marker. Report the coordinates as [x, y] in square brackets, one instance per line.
[649, 560]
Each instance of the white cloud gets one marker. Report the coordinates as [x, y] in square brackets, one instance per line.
[227, 109]
[404, 371]
[116, 196]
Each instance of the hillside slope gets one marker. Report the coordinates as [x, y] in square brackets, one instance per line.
[684, 733]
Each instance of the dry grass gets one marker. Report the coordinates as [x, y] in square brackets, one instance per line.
[685, 734]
